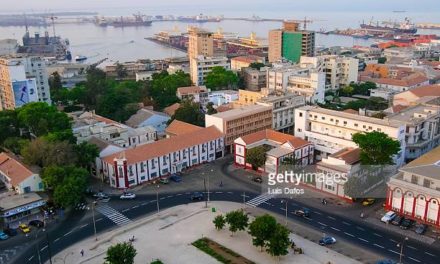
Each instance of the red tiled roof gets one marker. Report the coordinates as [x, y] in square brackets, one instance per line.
[179, 128]
[166, 146]
[398, 108]
[170, 110]
[428, 90]
[191, 90]
[408, 81]
[349, 155]
[276, 136]
[351, 111]
[248, 59]
[14, 169]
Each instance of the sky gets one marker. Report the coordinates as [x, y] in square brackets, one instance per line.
[212, 5]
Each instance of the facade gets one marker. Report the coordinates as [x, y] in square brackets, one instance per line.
[16, 209]
[8, 47]
[290, 43]
[330, 130]
[223, 97]
[280, 147]
[238, 63]
[200, 43]
[197, 94]
[146, 117]
[414, 191]
[246, 97]
[241, 121]
[134, 70]
[254, 80]
[161, 158]
[201, 66]
[18, 177]
[105, 148]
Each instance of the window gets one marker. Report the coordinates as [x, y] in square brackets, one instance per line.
[300, 114]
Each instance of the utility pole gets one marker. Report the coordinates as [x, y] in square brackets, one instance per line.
[401, 249]
[157, 198]
[285, 203]
[206, 200]
[212, 171]
[94, 222]
[244, 198]
[48, 247]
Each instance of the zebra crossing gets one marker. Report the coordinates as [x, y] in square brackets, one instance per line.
[113, 215]
[260, 199]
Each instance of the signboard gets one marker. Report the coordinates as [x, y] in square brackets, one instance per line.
[24, 208]
[25, 92]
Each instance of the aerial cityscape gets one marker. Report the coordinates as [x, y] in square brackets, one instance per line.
[183, 132]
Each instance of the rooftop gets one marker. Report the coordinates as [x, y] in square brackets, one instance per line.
[14, 169]
[179, 128]
[349, 155]
[142, 115]
[248, 58]
[191, 90]
[275, 136]
[13, 201]
[427, 165]
[170, 110]
[414, 114]
[242, 112]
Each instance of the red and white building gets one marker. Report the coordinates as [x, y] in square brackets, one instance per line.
[281, 146]
[148, 162]
[415, 191]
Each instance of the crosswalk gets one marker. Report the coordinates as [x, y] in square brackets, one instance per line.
[260, 199]
[113, 215]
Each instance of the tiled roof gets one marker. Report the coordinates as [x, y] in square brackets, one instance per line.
[351, 111]
[407, 81]
[170, 110]
[14, 169]
[248, 59]
[428, 90]
[275, 136]
[142, 115]
[427, 165]
[191, 90]
[349, 155]
[166, 146]
[179, 128]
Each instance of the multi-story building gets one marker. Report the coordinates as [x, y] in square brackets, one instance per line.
[132, 70]
[201, 66]
[197, 94]
[151, 161]
[254, 79]
[417, 95]
[246, 97]
[200, 43]
[290, 43]
[280, 147]
[22, 208]
[238, 63]
[241, 121]
[414, 191]
[223, 97]
[331, 130]
[147, 117]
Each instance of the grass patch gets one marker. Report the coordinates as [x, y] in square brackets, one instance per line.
[157, 262]
[219, 252]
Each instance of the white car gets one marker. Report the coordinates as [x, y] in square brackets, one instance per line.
[127, 196]
[388, 217]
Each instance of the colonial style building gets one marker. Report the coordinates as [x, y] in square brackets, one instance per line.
[149, 162]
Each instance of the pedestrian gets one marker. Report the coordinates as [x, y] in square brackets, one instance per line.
[82, 252]
[221, 183]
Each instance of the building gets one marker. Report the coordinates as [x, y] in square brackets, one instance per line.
[35, 68]
[146, 117]
[18, 177]
[414, 191]
[144, 76]
[242, 121]
[200, 43]
[177, 128]
[17, 209]
[254, 79]
[197, 94]
[290, 43]
[105, 148]
[149, 162]
[330, 130]
[201, 66]
[246, 97]
[132, 70]
[240, 62]
[170, 110]
[280, 147]
[416, 95]
[223, 97]
[8, 47]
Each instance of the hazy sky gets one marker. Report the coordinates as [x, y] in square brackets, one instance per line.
[306, 5]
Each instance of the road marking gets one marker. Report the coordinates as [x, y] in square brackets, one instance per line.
[395, 252]
[282, 208]
[134, 207]
[31, 258]
[376, 234]
[334, 228]
[322, 224]
[416, 260]
[378, 246]
[345, 223]
[179, 194]
[317, 212]
[427, 253]
[360, 228]
[230, 192]
[99, 219]
[411, 247]
[161, 198]
[83, 225]
[363, 240]
[125, 210]
[348, 234]
[56, 240]
[392, 240]
[43, 248]
[143, 204]
[68, 233]
[260, 199]
[169, 196]
[331, 217]
[218, 192]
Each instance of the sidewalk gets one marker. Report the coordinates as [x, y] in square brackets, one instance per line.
[168, 237]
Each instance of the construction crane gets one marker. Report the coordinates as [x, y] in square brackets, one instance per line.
[304, 21]
[52, 18]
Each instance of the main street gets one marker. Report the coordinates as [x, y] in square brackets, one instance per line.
[116, 213]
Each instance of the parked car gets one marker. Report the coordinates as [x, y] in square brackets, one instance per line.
[164, 180]
[406, 224]
[305, 212]
[36, 223]
[176, 178]
[10, 232]
[257, 179]
[368, 201]
[3, 236]
[197, 196]
[127, 195]
[397, 220]
[388, 217]
[100, 195]
[386, 261]
[81, 206]
[24, 228]
[421, 229]
[103, 199]
[328, 240]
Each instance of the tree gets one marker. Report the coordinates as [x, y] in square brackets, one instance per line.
[164, 87]
[261, 230]
[256, 65]
[121, 72]
[219, 222]
[9, 125]
[55, 85]
[279, 241]
[189, 112]
[382, 60]
[44, 153]
[219, 78]
[121, 253]
[377, 148]
[15, 144]
[256, 157]
[86, 154]
[237, 220]
[210, 108]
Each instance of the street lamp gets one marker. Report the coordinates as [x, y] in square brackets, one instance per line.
[37, 245]
[94, 222]
[401, 249]
[157, 198]
[212, 171]
[285, 202]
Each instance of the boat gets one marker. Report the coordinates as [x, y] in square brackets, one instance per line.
[138, 21]
[405, 27]
[68, 56]
[80, 58]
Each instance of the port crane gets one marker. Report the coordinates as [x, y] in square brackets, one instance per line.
[304, 21]
[52, 18]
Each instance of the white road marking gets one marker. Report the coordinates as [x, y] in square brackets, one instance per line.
[345, 223]
[376, 234]
[334, 228]
[31, 258]
[411, 247]
[395, 252]
[143, 204]
[378, 246]
[230, 192]
[43, 248]
[68, 233]
[360, 228]
[56, 240]
[331, 217]
[363, 240]
[322, 224]
[178, 194]
[282, 208]
[134, 207]
[427, 253]
[99, 219]
[83, 225]
[416, 260]
[125, 210]
[392, 240]
[161, 198]
[169, 196]
[348, 234]
[317, 212]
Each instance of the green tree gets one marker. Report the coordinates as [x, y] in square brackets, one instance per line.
[9, 125]
[15, 144]
[377, 103]
[164, 87]
[237, 220]
[377, 148]
[382, 60]
[121, 72]
[256, 157]
[121, 253]
[210, 108]
[44, 153]
[347, 90]
[189, 112]
[55, 86]
[256, 65]
[279, 241]
[356, 104]
[86, 154]
[95, 86]
[219, 222]
[219, 78]
[261, 230]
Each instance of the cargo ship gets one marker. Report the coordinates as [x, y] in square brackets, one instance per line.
[405, 27]
[137, 21]
[44, 46]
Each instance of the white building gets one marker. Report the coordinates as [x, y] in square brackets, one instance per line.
[105, 149]
[147, 117]
[197, 94]
[330, 130]
[223, 97]
[200, 66]
[36, 68]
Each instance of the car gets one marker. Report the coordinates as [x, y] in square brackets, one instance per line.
[257, 179]
[176, 178]
[421, 229]
[3, 236]
[305, 212]
[386, 261]
[368, 201]
[81, 206]
[197, 196]
[10, 232]
[104, 199]
[164, 180]
[397, 220]
[100, 195]
[406, 224]
[127, 195]
[36, 223]
[24, 228]
[388, 217]
[328, 240]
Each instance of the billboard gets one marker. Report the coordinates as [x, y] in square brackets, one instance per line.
[25, 92]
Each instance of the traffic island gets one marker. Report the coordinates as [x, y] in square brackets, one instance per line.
[219, 252]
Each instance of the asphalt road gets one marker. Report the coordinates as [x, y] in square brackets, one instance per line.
[379, 241]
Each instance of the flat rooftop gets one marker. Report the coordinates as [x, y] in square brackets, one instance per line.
[411, 114]
[13, 201]
[242, 111]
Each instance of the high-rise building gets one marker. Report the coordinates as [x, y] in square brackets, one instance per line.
[201, 43]
[290, 43]
[201, 66]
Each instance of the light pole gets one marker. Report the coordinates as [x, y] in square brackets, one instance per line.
[401, 249]
[244, 198]
[48, 247]
[204, 184]
[37, 245]
[285, 203]
[94, 222]
[157, 198]
[212, 171]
